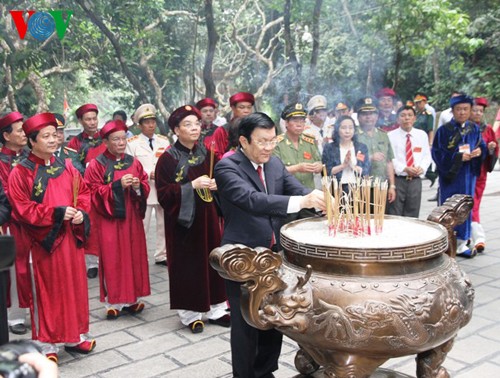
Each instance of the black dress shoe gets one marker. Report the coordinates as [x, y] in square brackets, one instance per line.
[92, 273]
[196, 326]
[18, 329]
[223, 321]
[163, 262]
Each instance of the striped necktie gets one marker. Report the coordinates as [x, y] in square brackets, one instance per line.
[409, 152]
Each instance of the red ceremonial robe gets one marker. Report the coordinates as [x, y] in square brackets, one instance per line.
[123, 257]
[39, 195]
[221, 141]
[191, 230]
[88, 149]
[487, 166]
[8, 160]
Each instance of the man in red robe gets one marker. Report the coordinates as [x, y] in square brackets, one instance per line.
[14, 141]
[51, 201]
[477, 232]
[184, 184]
[208, 112]
[120, 190]
[88, 145]
[241, 105]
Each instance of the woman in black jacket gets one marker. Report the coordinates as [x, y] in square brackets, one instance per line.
[346, 158]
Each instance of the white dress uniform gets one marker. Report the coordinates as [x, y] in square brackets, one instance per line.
[139, 147]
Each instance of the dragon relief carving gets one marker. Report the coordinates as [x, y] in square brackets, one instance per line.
[267, 301]
[400, 322]
[290, 310]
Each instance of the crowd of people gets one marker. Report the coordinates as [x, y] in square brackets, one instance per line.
[83, 210]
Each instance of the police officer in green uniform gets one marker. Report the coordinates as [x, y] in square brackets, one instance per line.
[377, 141]
[296, 149]
[424, 121]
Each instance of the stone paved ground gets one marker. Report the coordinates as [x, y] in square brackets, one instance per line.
[155, 344]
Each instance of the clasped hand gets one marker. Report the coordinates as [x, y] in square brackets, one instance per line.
[75, 215]
[129, 180]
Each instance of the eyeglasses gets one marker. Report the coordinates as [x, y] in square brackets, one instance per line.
[266, 143]
[190, 125]
[118, 139]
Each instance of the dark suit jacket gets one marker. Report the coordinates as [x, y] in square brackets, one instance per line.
[251, 214]
[331, 158]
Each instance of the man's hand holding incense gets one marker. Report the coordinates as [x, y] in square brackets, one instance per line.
[70, 213]
[204, 182]
[78, 218]
[314, 199]
[136, 183]
[127, 180]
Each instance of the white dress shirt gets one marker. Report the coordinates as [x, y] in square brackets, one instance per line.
[420, 147]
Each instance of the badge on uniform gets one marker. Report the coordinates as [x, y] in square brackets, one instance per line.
[307, 155]
[360, 156]
[464, 148]
[160, 152]
[417, 150]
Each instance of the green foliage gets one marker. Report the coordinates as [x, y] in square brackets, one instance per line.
[430, 45]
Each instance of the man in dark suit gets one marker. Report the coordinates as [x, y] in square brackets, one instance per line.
[255, 202]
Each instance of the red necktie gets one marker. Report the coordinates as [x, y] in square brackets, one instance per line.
[409, 152]
[261, 176]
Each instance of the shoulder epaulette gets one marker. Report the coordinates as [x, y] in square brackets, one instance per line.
[162, 136]
[308, 138]
[280, 137]
[133, 138]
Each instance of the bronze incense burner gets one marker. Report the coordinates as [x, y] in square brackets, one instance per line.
[352, 309]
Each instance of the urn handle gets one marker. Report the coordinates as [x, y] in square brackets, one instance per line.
[258, 268]
[453, 212]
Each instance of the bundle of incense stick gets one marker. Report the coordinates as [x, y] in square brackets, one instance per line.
[352, 212]
[76, 189]
[379, 202]
[337, 192]
[366, 188]
[327, 184]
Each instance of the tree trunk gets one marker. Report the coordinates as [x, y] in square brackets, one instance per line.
[349, 18]
[290, 55]
[39, 93]
[213, 38]
[435, 69]
[315, 49]
[118, 51]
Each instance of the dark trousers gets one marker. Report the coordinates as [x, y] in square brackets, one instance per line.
[254, 353]
[408, 197]
[4, 328]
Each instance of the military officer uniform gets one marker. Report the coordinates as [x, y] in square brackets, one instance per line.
[147, 151]
[306, 152]
[379, 142]
[296, 146]
[424, 121]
